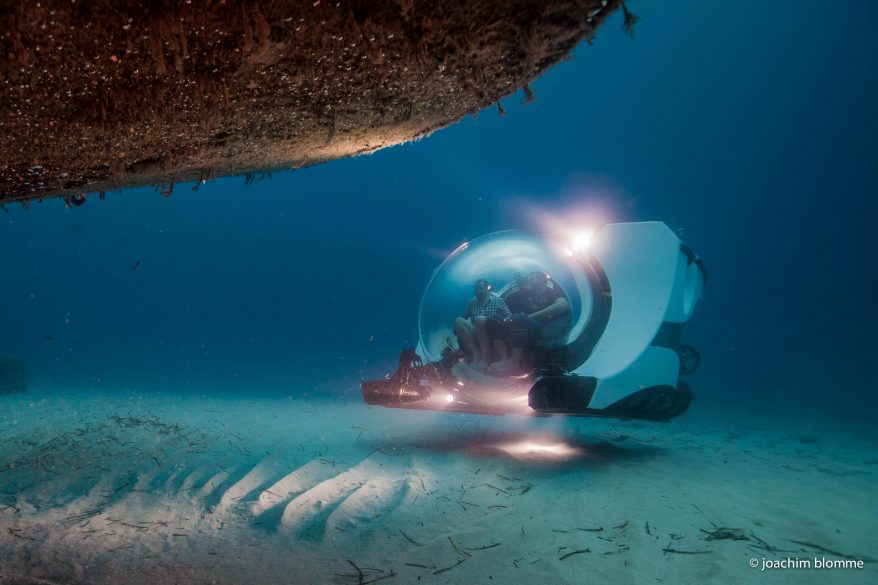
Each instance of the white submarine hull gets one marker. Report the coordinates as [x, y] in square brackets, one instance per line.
[633, 289]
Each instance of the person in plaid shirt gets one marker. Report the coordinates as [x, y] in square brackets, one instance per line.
[470, 327]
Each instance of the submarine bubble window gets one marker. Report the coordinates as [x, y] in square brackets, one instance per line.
[497, 258]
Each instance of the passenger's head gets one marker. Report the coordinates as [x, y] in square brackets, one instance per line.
[537, 281]
[482, 288]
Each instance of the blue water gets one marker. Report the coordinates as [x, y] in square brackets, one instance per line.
[751, 127]
[194, 358]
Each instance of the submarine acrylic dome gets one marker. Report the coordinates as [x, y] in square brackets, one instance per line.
[501, 258]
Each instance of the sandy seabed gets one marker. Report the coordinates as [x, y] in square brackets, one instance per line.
[161, 488]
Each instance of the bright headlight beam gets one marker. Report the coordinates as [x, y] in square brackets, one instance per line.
[582, 240]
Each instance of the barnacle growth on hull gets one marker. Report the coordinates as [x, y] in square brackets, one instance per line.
[98, 96]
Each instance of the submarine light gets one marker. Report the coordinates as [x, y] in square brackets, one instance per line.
[449, 397]
[582, 240]
[579, 242]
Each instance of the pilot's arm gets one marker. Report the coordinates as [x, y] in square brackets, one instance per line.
[559, 307]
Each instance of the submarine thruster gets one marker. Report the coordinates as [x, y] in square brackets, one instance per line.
[612, 348]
